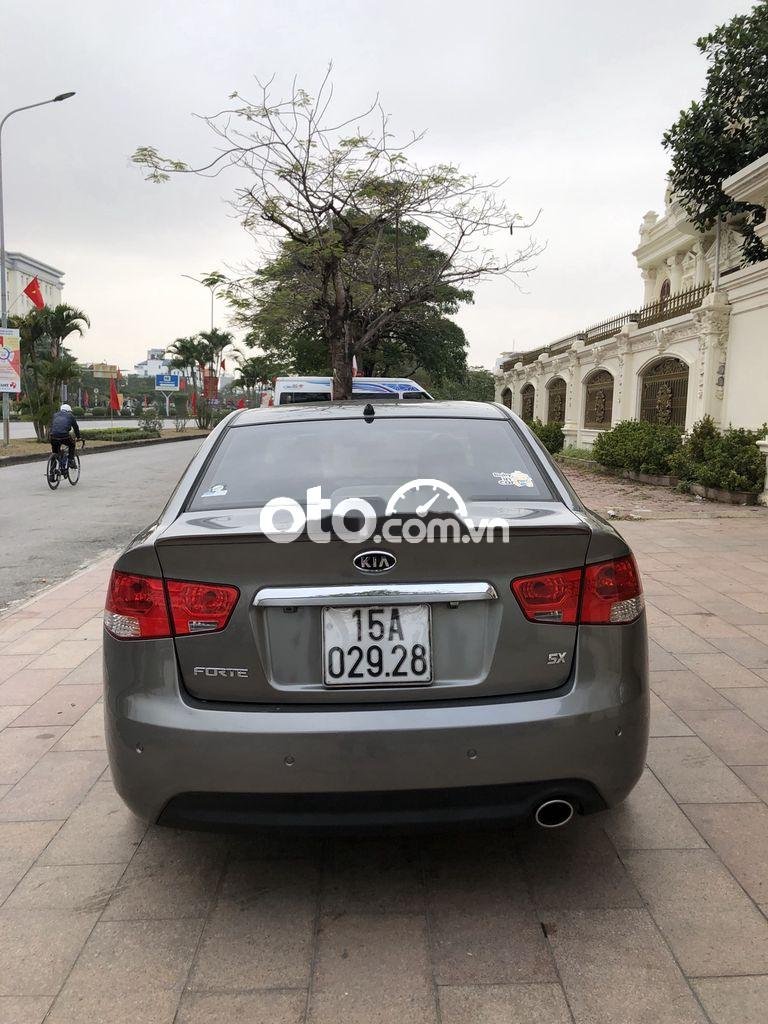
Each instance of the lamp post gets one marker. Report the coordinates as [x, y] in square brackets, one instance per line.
[3, 281]
[211, 287]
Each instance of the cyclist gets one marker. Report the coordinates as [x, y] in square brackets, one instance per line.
[61, 425]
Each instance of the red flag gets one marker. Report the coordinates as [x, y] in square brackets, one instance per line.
[241, 404]
[182, 384]
[223, 365]
[194, 403]
[86, 399]
[114, 401]
[34, 293]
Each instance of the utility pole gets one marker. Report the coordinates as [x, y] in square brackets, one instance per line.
[3, 277]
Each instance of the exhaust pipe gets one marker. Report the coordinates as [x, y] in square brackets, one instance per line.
[554, 813]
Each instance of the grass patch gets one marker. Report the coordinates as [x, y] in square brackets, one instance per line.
[572, 452]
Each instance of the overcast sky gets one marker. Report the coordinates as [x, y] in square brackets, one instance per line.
[566, 100]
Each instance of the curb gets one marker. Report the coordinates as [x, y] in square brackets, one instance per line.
[49, 588]
[18, 460]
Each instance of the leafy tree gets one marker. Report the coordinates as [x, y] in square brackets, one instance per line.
[476, 385]
[345, 196]
[277, 308]
[46, 362]
[726, 129]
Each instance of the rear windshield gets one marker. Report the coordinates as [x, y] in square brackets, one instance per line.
[479, 459]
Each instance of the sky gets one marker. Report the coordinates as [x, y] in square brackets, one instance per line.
[564, 101]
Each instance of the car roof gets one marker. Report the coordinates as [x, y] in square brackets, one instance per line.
[354, 410]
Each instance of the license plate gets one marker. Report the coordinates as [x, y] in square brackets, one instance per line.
[388, 645]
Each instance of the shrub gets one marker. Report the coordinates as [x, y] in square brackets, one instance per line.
[77, 410]
[99, 412]
[729, 460]
[150, 419]
[639, 446]
[119, 434]
[550, 434]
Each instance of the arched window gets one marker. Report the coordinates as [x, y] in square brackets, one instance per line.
[556, 390]
[506, 397]
[598, 407]
[527, 400]
[666, 290]
[664, 393]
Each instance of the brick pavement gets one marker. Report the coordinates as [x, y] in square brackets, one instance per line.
[655, 911]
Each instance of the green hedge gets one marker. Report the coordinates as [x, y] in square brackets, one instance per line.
[728, 459]
[119, 434]
[639, 446]
[550, 434]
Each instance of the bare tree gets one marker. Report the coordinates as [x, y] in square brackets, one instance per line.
[338, 193]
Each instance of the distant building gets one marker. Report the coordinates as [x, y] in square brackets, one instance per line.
[154, 363]
[696, 346]
[19, 271]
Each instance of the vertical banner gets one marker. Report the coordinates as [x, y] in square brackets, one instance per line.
[10, 361]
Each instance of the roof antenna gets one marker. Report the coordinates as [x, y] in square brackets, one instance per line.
[368, 413]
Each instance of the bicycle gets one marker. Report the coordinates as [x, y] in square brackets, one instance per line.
[59, 465]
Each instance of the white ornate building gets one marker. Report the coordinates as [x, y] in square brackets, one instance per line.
[691, 349]
[19, 271]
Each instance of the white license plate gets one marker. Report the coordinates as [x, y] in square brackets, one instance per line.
[388, 645]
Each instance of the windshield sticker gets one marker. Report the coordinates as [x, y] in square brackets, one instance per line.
[514, 479]
[215, 491]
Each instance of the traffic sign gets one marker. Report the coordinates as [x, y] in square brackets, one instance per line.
[10, 361]
[167, 381]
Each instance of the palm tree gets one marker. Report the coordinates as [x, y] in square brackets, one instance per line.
[61, 321]
[255, 372]
[187, 354]
[215, 343]
[46, 363]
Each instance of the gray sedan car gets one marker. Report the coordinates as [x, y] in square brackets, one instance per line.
[370, 616]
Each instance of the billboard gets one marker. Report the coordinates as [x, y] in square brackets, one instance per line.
[167, 381]
[10, 361]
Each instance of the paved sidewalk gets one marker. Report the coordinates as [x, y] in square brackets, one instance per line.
[654, 912]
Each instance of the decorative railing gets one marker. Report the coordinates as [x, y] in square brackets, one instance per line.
[672, 306]
[653, 313]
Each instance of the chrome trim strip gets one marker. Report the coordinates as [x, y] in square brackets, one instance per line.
[373, 593]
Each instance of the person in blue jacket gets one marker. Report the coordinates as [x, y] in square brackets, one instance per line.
[62, 426]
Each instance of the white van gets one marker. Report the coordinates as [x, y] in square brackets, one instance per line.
[290, 390]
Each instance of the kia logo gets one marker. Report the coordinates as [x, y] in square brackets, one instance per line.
[374, 561]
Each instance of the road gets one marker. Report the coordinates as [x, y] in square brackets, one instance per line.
[47, 535]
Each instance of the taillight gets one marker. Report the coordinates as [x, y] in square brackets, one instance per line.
[549, 597]
[200, 607]
[135, 607]
[612, 593]
[600, 594]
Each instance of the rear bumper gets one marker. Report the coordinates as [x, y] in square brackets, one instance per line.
[414, 810]
[213, 766]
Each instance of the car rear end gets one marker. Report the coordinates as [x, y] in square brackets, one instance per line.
[253, 679]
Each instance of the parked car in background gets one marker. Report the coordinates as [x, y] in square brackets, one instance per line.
[294, 390]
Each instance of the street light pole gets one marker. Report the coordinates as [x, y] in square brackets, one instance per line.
[3, 280]
[211, 287]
